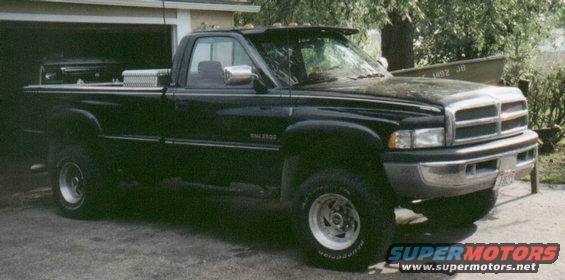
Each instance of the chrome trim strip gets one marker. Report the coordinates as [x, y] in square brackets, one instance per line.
[94, 87]
[449, 126]
[513, 115]
[494, 136]
[475, 122]
[479, 159]
[515, 130]
[151, 139]
[34, 131]
[525, 163]
[498, 122]
[528, 135]
[477, 138]
[227, 94]
[133, 92]
[201, 143]
[217, 144]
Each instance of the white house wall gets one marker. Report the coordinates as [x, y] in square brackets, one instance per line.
[183, 21]
[59, 12]
[221, 19]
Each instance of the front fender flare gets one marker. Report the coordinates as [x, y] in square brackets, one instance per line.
[303, 134]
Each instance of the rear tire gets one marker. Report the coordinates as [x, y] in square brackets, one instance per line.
[341, 221]
[460, 210]
[78, 182]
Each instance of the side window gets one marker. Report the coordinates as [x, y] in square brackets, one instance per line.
[209, 57]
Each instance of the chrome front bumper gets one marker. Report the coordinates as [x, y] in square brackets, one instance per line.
[426, 174]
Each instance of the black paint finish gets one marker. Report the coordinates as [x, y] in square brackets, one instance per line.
[233, 135]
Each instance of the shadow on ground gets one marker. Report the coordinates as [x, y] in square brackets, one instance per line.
[256, 225]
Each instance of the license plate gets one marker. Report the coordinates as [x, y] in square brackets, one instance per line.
[505, 179]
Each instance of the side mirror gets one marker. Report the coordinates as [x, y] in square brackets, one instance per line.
[238, 75]
[383, 61]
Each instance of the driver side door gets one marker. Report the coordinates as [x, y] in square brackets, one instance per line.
[225, 134]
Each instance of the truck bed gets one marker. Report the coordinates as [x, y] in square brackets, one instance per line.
[119, 109]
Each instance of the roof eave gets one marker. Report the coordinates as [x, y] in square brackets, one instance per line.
[249, 8]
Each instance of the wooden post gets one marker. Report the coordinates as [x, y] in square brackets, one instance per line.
[534, 180]
[524, 86]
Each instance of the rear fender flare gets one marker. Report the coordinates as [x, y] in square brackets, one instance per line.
[61, 121]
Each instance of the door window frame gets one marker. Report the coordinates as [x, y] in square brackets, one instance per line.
[212, 51]
[259, 64]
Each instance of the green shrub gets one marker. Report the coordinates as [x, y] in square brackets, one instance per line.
[546, 95]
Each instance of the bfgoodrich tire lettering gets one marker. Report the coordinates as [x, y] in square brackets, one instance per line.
[376, 219]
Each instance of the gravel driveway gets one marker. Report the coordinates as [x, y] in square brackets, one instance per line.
[182, 236]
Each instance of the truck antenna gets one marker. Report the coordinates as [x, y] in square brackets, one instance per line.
[289, 66]
[163, 10]
[166, 31]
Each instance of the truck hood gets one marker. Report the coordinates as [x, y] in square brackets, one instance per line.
[432, 91]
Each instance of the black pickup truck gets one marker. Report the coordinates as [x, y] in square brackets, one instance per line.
[296, 114]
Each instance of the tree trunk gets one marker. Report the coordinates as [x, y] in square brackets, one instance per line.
[397, 42]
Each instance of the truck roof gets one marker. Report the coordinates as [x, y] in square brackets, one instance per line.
[273, 29]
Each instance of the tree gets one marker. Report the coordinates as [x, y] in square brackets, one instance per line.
[426, 32]
[397, 44]
[459, 29]
[362, 14]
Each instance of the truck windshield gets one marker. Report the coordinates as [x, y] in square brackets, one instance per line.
[301, 59]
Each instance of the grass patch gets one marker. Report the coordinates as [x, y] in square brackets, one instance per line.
[551, 167]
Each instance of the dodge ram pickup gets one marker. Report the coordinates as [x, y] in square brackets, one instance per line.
[296, 114]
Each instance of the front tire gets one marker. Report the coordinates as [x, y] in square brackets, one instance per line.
[77, 180]
[341, 221]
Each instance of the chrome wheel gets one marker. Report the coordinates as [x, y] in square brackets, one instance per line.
[71, 183]
[334, 221]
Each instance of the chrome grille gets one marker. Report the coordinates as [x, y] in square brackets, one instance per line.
[476, 113]
[486, 118]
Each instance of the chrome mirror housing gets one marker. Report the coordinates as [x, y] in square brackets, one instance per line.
[238, 75]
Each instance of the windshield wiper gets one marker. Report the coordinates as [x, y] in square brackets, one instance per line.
[371, 75]
[311, 82]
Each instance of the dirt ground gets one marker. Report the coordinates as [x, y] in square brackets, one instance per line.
[182, 236]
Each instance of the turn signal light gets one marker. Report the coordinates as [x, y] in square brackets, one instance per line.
[392, 141]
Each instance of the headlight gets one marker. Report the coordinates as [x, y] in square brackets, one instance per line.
[417, 138]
